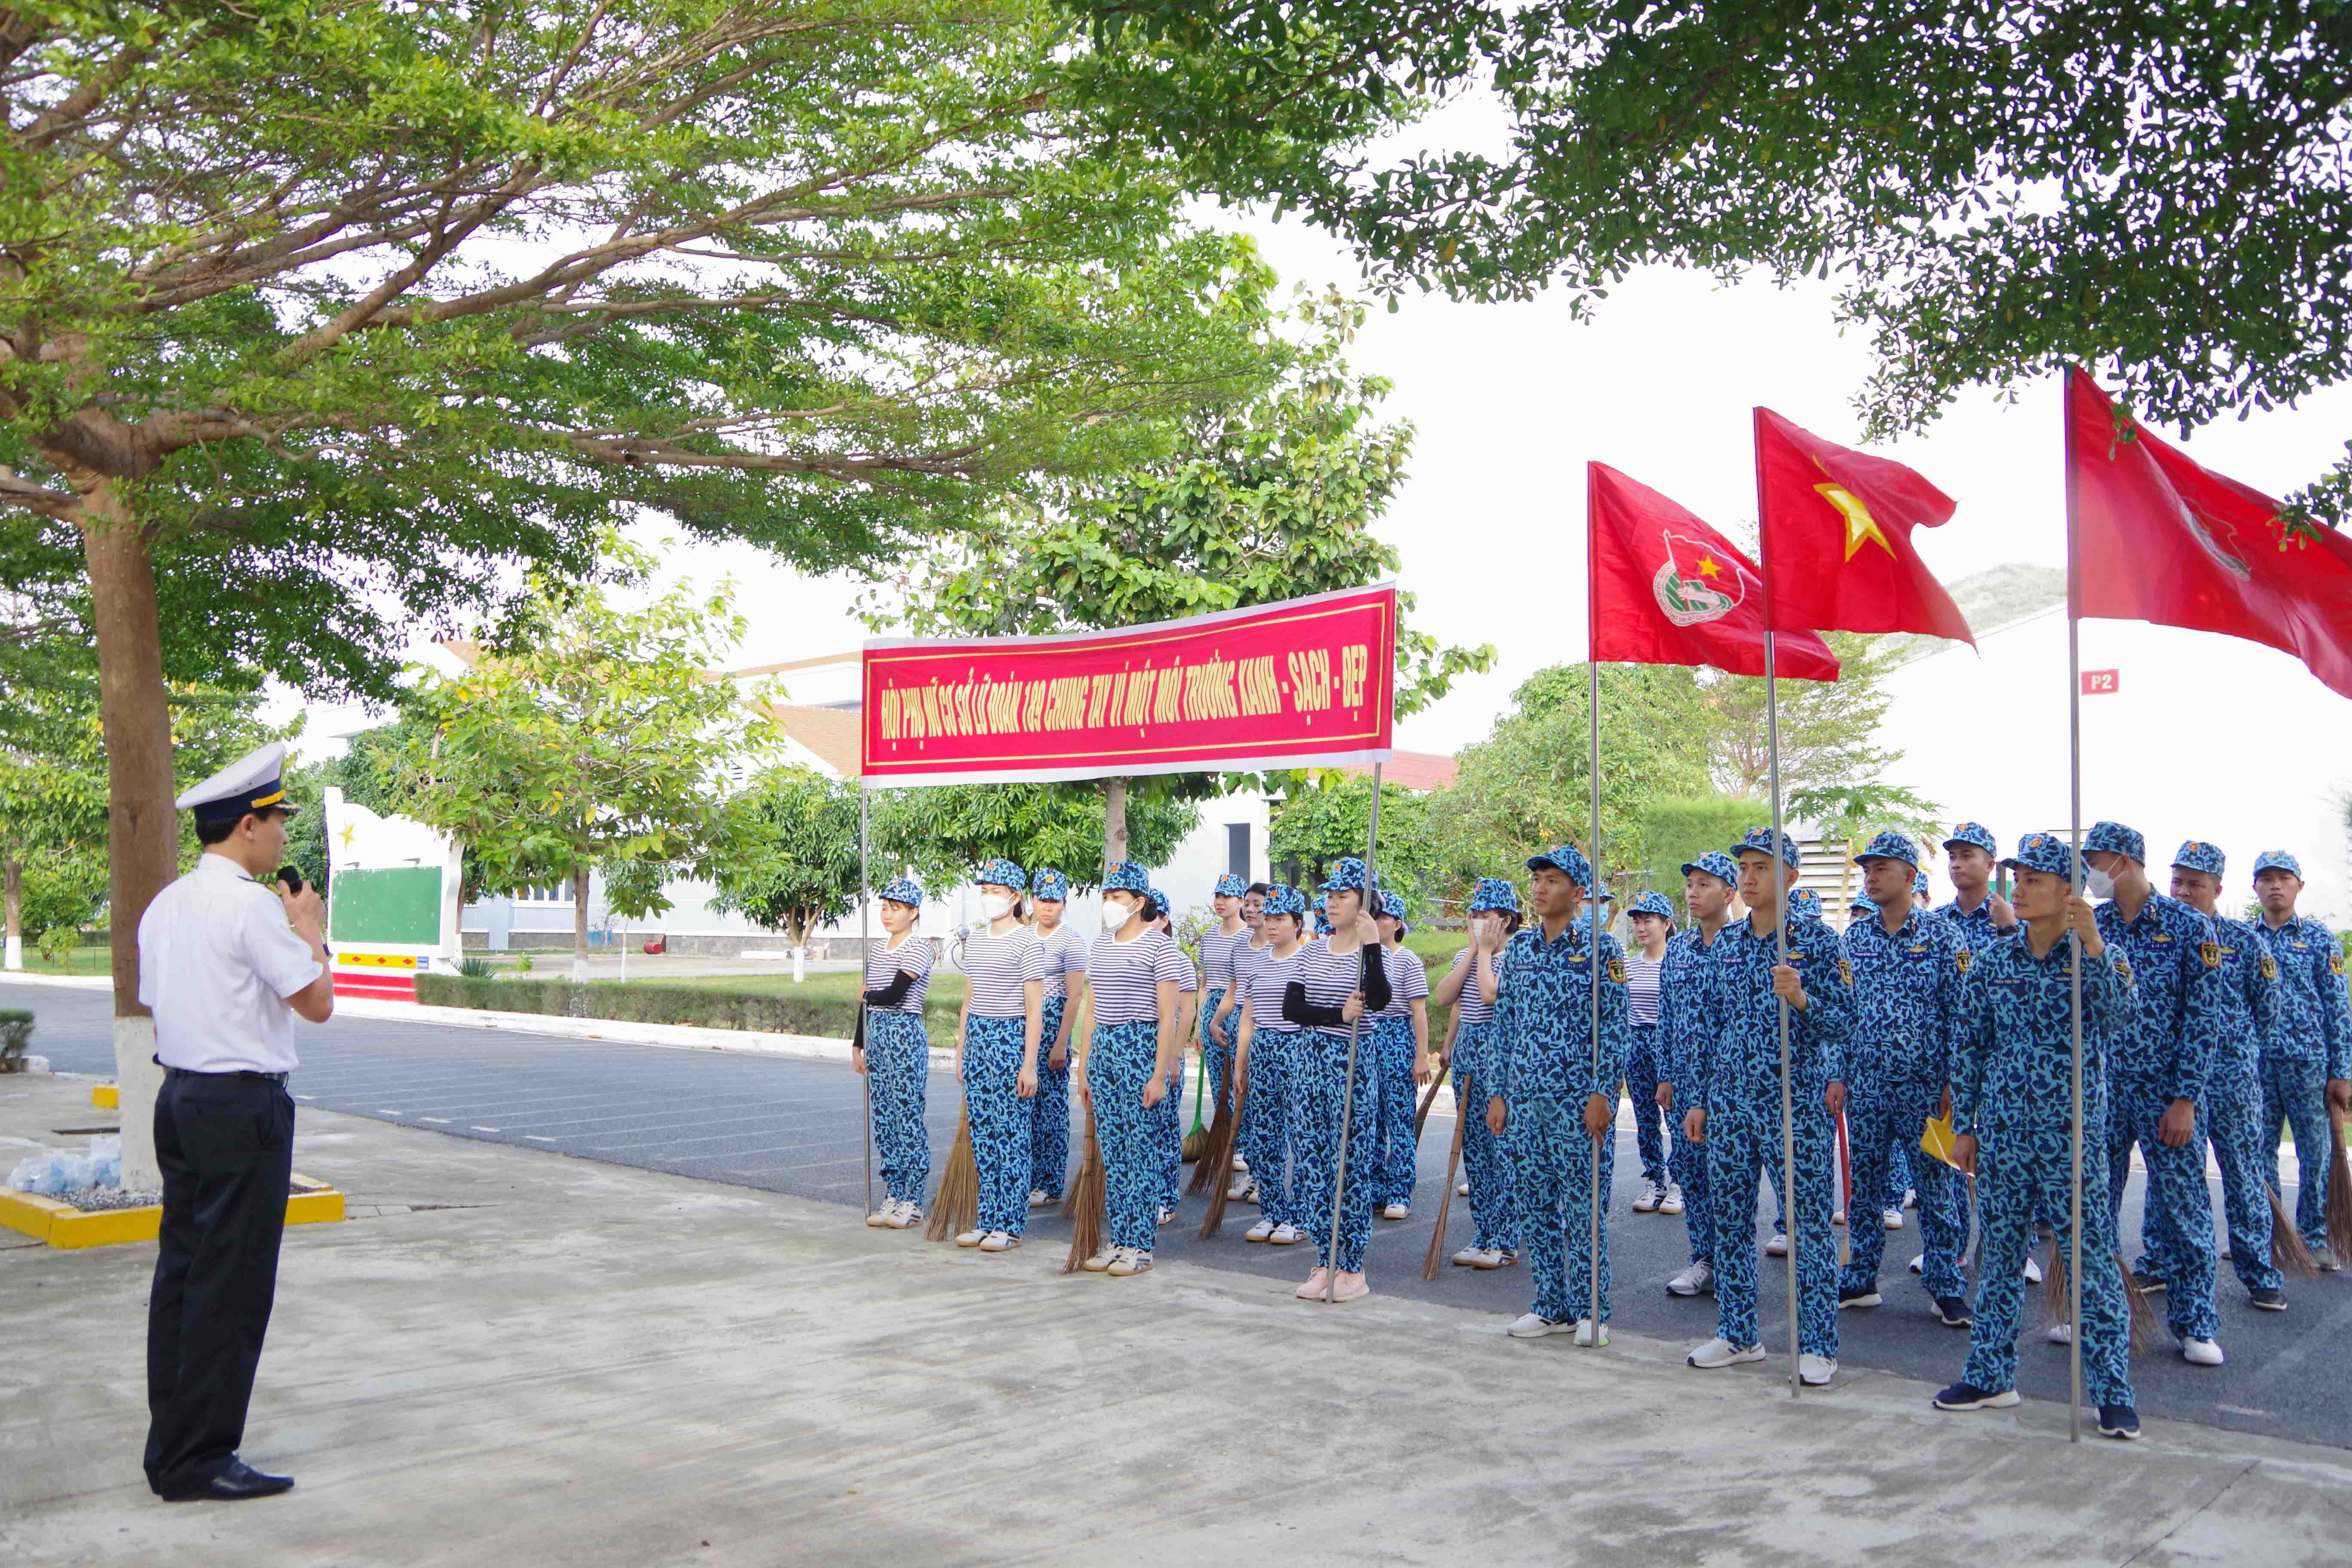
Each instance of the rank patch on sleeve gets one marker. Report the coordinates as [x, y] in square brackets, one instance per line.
[2122, 969]
[2335, 963]
[1617, 970]
[1845, 970]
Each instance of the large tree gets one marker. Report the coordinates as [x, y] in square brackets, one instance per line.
[1266, 500]
[317, 318]
[1998, 186]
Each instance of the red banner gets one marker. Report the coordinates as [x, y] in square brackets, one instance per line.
[1307, 682]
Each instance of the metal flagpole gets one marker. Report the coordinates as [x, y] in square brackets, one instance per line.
[1780, 935]
[1348, 1086]
[865, 905]
[2075, 779]
[1593, 1217]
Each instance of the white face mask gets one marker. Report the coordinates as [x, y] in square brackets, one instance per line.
[995, 906]
[2097, 883]
[1115, 915]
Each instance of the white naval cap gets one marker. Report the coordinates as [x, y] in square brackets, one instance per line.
[252, 783]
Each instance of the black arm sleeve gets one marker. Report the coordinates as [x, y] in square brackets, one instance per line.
[890, 995]
[1376, 977]
[1297, 1009]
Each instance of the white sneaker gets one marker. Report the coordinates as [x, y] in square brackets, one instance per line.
[1241, 1164]
[1815, 1371]
[1101, 1261]
[1910, 1197]
[1777, 1246]
[904, 1215]
[1723, 1353]
[1038, 1200]
[1534, 1326]
[881, 1216]
[1395, 1211]
[1837, 1216]
[1259, 1231]
[1698, 1279]
[1894, 1218]
[2032, 1272]
[1461, 1189]
[1652, 1196]
[1497, 1258]
[1131, 1261]
[1920, 1262]
[1468, 1257]
[999, 1241]
[972, 1239]
[2202, 1352]
[1287, 1236]
[2060, 1334]
[1673, 1202]
[1167, 1217]
[1584, 1332]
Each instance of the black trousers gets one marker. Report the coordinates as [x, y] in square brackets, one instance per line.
[226, 1143]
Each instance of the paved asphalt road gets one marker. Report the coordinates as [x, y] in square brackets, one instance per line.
[793, 1126]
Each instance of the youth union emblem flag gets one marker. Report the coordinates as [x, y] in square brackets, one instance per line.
[1692, 585]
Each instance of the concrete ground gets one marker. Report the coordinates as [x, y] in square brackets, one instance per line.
[513, 1358]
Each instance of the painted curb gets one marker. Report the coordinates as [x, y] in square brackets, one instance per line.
[105, 1097]
[66, 1228]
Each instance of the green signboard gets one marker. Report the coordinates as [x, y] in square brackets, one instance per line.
[400, 905]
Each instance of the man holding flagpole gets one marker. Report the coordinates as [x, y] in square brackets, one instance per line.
[1685, 980]
[1738, 1115]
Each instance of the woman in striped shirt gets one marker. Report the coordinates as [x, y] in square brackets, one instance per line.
[1265, 1059]
[1401, 1037]
[896, 1055]
[997, 1059]
[1057, 953]
[1170, 1110]
[1471, 987]
[1339, 979]
[1219, 946]
[1129, 990]
[1226, 1027]
[1645, 1064]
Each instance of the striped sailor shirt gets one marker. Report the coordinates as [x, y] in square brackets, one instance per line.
[1125, 976]
[1642, 988]
[885, 963]
[994, 967]
[1325, 979]
[1472, 1006]
[1219, 954]
[1053, 957]
[1268, 978]
[1407, 981]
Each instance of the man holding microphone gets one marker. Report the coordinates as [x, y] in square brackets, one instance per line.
[226, 962]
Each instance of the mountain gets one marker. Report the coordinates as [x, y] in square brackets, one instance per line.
[1993, 597]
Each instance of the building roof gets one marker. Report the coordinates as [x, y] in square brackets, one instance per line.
[1423, 771]
[831, 733]
[825, 661]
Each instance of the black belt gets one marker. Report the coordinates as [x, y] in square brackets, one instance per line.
[171, 1071]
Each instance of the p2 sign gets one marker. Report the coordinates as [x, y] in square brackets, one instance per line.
[2100, 682]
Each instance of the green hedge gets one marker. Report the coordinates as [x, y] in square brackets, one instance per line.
[698, 1006]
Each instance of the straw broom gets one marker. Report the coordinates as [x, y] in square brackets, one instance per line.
[955, 1207]
[2146, 1327]
[1217, 1166]
[1216, 1152]
[1420, 1117]
[2339, 1192]
[1430, 1265]
[2287, 1251]
[1084, 1203]
[1197, 1139]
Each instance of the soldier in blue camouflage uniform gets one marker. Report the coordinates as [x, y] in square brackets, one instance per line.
[1685, 980]
[1906, 995]
[2306, 1057]
[2012, 1111]
[1738, 1119]
[2232, 1103]
[2159, 1074]
[1558, 1106]
[1485, 1158]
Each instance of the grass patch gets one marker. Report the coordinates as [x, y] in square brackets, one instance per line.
[76, 961]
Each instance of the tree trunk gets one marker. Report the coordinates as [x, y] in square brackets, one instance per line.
[1114, 822]
[580, 924]
[142, 834]
[12, 894]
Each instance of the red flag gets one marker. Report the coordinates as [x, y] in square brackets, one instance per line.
[1668, 589]
[2158, 538]
[1837, 537]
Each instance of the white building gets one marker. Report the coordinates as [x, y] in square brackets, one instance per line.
[2185, 735]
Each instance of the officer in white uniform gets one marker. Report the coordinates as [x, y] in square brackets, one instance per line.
[226, 960]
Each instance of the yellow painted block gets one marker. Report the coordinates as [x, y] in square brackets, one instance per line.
[105, 1097]
[29, 1214]
[107, 1228]
[310, 1202]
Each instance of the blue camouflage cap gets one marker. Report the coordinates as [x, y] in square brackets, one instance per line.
[1759, 839]
[1004, 874]
[1494, 893]
[1568, 860]
[1919, 881]
[2196, 855]
[1890, 845]
[1232, 884]
[1052, 884]
[2043, 852]
[1159, 904]
[1859, 905]
[903, 891]
[1393, 905]
[1805, 901]
[1974, 833]
[1716, 863]
[1286, 900]
[1127, 876]
[1649, 903]
[2114, 838]
[1347, 875]
[2278, 860]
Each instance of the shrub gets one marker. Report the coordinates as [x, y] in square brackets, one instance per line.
[694, 1005]
[16, 1033]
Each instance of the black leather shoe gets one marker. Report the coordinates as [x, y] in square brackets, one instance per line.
[236, 1481]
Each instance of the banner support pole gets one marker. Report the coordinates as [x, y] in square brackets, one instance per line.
[1348, 1084]
[865, 909]
[2074, 965]
[1592, 1218]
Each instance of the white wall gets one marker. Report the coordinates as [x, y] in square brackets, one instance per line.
[2206, 737]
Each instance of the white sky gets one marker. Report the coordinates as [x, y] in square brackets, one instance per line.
[1511, 400]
